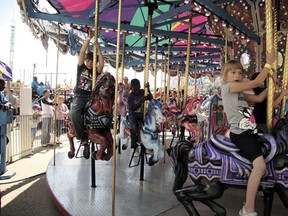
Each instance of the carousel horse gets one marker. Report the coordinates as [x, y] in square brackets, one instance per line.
[189, 118]
[215, 165]
[98, 119]
[149, 130]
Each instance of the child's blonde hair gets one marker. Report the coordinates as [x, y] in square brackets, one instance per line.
[230, 65]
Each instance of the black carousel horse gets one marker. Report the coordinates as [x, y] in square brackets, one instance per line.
[215, 165]
[98, 119]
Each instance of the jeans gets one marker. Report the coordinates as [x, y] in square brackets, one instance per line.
[59, 126]
[46, 130]
[134, 123]
[76, 115]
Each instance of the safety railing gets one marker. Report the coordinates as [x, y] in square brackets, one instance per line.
[21, 139]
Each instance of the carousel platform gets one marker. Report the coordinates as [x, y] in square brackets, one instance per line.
[70, 184]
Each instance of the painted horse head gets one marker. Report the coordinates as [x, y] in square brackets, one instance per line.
[102, 97]
[149, 131]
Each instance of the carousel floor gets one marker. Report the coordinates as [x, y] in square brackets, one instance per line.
[69, 182]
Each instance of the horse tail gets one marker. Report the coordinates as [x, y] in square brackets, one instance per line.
[179, 156]
[280, 132]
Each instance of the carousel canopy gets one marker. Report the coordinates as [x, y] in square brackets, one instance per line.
[210, 20]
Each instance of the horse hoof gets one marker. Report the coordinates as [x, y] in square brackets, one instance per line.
[71, 154]
[124, 147]
[151, 162]
[86, 152]
[93, 155]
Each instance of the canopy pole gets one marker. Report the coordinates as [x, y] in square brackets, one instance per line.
[168, 71]
[187, 57]
[269, 45]
[96, 23]
[155, 67]
[123, 57]
[115, 107]
[226, 44]
[56, 95]
[147, 60]
[178, 85]
[285, 79]
[165, 79]
[195, 80]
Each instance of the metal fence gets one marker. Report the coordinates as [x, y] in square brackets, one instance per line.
[21, 141]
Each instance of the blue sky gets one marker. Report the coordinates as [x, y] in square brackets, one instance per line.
[29, 50]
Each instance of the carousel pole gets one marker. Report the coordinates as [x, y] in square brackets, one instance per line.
[96, 23]
[178, 84]
[187, 68]
[169, 75]
[269, 45]
[195, 80]
[165, 78]
[94, 78]
[155, 67]
[123, 57]
[163, 71]
[56, 94]
[147, 59]
[285, 79]
[115, 106]
[226, 45]
[187, 57]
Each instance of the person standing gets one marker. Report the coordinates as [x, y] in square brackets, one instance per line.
[126, 88]
[243, 131]
[14, 102]
[83, 88]
[34, 86]
[62, 112]
[47, 116]
[4, 103]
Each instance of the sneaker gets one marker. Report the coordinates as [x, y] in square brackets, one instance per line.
[136, 152]
[243, 212]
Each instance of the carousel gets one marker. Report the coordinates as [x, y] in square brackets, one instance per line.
[185, 133]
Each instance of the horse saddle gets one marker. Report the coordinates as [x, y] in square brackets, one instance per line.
[154, 134]
[228, 147]
[94, 120]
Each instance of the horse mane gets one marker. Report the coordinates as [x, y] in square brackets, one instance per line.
[100, 81]
[280, 132]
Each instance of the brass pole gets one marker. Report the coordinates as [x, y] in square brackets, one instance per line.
[187, 58]
[123, 57]
[226, 44]
[147, 60]
[155, 67]
[195, 80]
[165, 77]
[168, 71]
[96, 22]
[115, 107]
[178, 84]
[285, 78]
[269, 45]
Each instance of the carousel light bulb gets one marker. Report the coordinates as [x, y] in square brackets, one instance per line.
[216, 19]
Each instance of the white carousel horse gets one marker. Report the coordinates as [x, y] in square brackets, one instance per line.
[149, 131]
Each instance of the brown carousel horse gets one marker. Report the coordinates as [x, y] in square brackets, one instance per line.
[98, 119]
